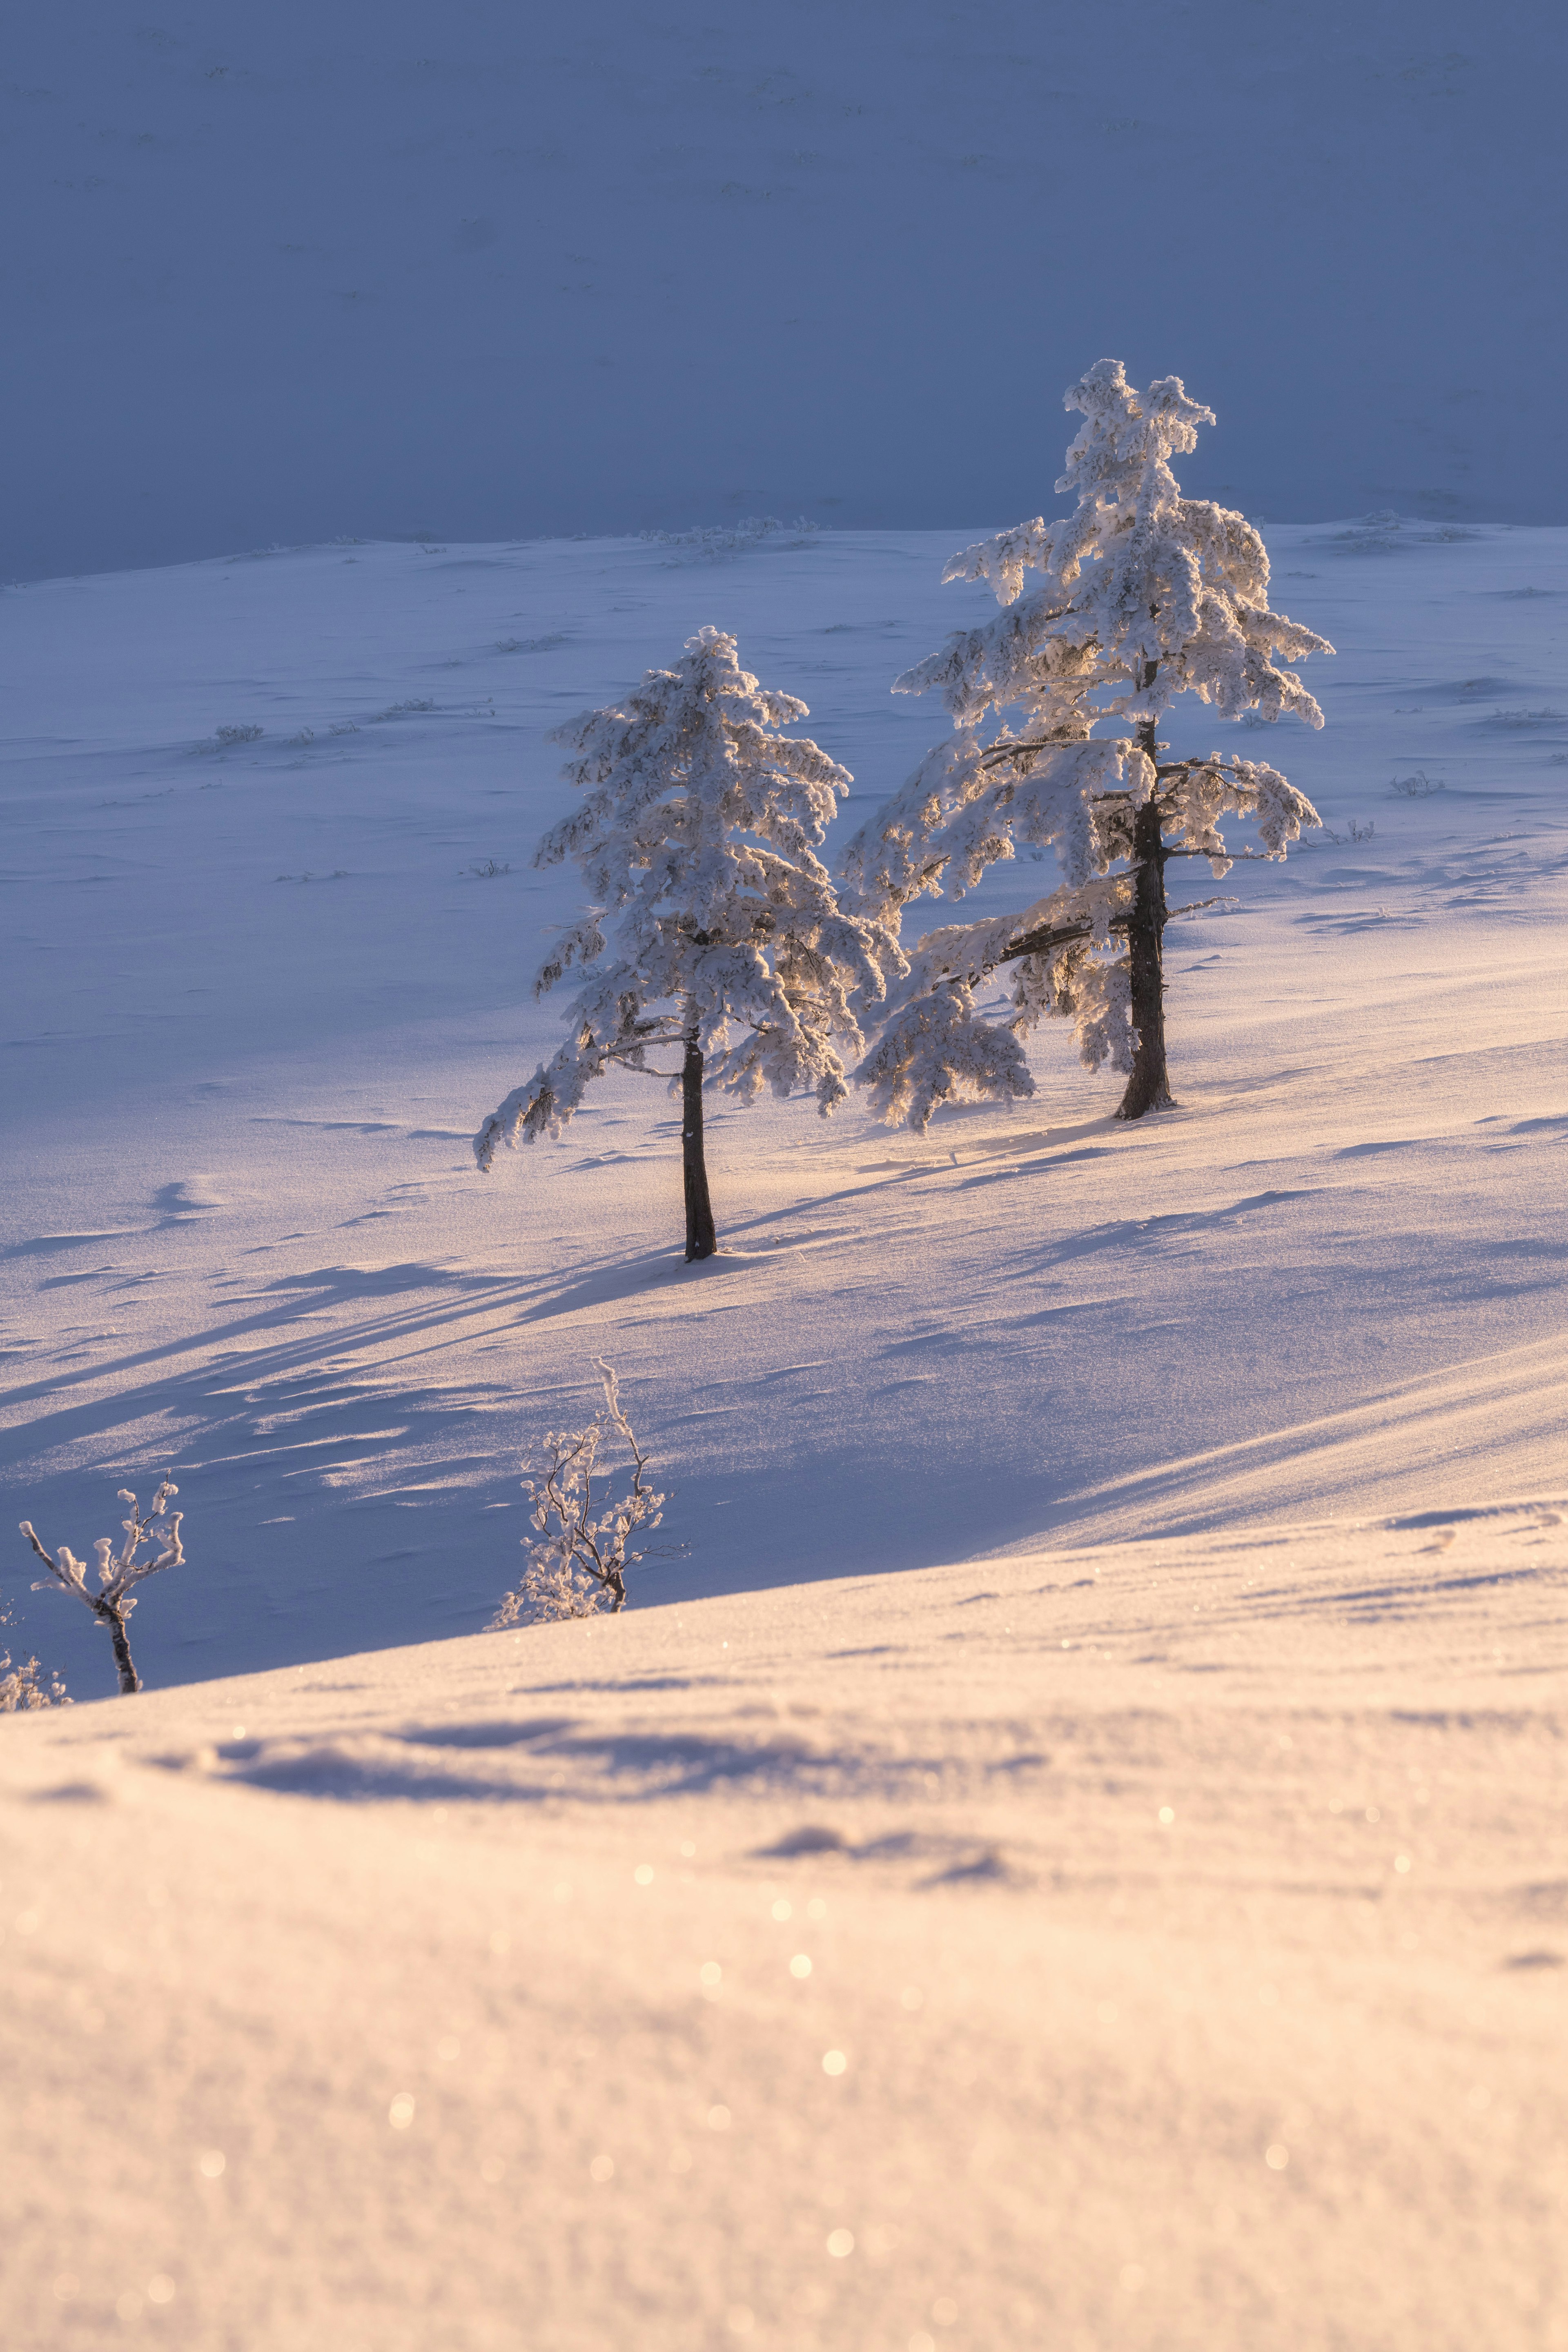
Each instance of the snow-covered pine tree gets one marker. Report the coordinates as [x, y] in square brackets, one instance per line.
[697, 833]
[1146, 595]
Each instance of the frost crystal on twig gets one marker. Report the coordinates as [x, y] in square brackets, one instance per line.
[152, 1543]
[23, 1688]
[578, 1554]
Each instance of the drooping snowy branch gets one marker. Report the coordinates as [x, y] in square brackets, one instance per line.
[936, 1050]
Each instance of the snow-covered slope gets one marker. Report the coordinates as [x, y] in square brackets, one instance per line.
[245, 1236]
[1149, 1934]
[1157, 1947]
[279, 272]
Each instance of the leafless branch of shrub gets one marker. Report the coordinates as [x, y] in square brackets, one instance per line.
[152, 1543]
[1417, 787]
[23, 1688]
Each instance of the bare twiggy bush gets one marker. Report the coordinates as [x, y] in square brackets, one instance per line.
[578, 1555]
[24, 1688]
[1417, 787]
[1354, 832]
[151, 1542]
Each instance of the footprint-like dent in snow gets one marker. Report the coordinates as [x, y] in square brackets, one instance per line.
[489, 1735]
[812, 1837]
[187, 1196]
[42, 1244]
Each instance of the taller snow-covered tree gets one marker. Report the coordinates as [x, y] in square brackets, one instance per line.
[1145, 595]
[714, 929]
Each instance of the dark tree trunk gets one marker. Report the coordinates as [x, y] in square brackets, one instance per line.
[701, 1239]
[1149, 1087]
[129, 1680]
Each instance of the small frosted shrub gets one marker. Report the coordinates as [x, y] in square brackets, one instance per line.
[23, 1688]
[578, 1554]
[152, 1543]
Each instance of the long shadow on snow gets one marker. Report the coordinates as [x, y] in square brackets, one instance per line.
[350, 1559]
[332, 1285]
[307, 1298]
[1141, 1232]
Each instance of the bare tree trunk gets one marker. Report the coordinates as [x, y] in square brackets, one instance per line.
[1149, 1087]
[701, 1238]
[129, 1680]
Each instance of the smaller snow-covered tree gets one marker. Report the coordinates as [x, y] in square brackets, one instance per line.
[579, 1552]
[1145, 595]
[152, 1543]
[698, 833]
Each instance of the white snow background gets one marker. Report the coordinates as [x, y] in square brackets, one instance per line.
[1284, 2068]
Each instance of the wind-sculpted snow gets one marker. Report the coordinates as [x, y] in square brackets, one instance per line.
[1155, 1945]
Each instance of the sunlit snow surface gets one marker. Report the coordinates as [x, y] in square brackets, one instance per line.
[1184, 1930]
[245, 1237]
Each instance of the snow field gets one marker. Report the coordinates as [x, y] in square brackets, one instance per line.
[245, 1231]
[1247, 1424]
[1155, 1946]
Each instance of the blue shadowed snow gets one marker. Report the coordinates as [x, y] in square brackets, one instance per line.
[277, 274]
[242, 1233]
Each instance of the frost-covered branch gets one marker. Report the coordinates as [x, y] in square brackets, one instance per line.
[151, 1544]
[579, 1553]
[24, 1689]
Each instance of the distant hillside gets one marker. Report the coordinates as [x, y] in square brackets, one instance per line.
[276, 274]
